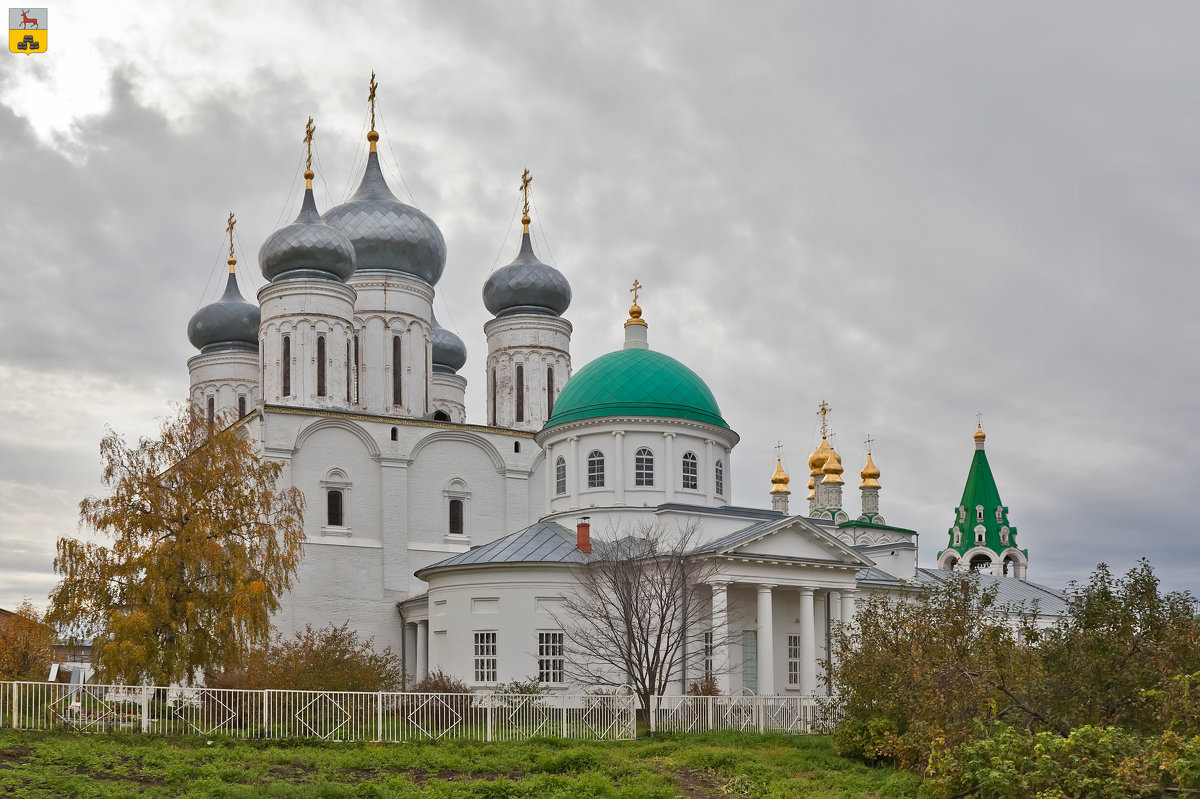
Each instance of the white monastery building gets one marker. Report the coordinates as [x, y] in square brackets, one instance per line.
[454, 539]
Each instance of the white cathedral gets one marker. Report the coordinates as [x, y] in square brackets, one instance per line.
[455, 541]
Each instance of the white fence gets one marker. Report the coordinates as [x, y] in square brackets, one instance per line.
[390, 717]
[800, 715]
[323, 715]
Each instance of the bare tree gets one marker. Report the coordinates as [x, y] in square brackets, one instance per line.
[640, 608]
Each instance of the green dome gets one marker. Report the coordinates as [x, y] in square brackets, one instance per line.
[636, 382]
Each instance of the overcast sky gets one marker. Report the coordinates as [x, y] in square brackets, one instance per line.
[913, 211]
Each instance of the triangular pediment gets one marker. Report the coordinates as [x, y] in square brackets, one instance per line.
[793, 539]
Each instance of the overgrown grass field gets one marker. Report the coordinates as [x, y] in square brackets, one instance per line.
[668, 767]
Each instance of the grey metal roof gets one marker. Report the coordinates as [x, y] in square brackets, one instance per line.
[307, 248]
[449, 352]
[878, 576]
[736, 511]
[228, 323]
[737, 536]
[527, 286]
[387, 234]
[1010, 590]
[544, 542]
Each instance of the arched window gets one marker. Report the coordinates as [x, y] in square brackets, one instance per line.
[981, 563]
[349, 366]
[519, 390]
[493, 398]
[320, 366]
[333, 506]
[394, 434]
[691, 471]
[357, 373]
[458, 500]
[719, 478]
[241, 405]
[441, 416]
[456, 517]
[595, 463]
[978, 513]
[286, 366]
[397, 373]
[212, 411]
[643, 467]
[549, 391]
[516, 446]
[560, 475]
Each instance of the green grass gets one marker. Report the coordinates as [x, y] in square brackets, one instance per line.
[665, 767]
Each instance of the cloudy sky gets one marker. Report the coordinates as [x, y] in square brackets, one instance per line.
[914, 211]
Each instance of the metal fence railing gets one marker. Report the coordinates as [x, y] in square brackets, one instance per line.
[323, 715]
[799, 715]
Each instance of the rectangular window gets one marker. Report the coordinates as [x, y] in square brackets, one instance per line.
[708, 656]
[287, 366]
[643, 467]
[691, 471]
[793, 660]
[519, 390]
[456, 517]
[750, 660]
[212, 411]
[549, 391]
[560, 476]
[397, 373]
[550, 658]
[485, 657]
[320, 366]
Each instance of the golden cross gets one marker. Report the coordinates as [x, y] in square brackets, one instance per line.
[371, 98]
[778, 447]
[979, 419]
[229, 229]
[823, 409]
[869, 442]
[309, 130]
[636, 288]
[526, 179]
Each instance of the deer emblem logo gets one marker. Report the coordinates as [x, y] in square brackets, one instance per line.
[27, 30]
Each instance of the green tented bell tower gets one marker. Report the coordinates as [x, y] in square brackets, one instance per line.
[981, 538]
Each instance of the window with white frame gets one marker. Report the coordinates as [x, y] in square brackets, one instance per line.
[550, 657]
[793, 660]
[458, 500]
[337, 503]
[709, 671]
[595, 467]
[719, 478]
[560, 475]
[643, 467]
[691, 471]
[485, 657]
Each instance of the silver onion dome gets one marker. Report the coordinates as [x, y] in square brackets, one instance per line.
[449, 352]
[230, 323]
[387, 234]
[307, 248]
[527, 286]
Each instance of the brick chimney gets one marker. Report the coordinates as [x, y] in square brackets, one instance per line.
[583, 534]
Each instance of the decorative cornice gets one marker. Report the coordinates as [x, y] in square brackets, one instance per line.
[398, 421]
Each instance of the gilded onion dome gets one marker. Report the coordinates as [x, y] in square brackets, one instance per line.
[780, 479]
[229, 323]
[387, 234]
[833, 468]
[869, 474]
[307, 248]
[979, 434]
[449, 352]
[812, 489]
[816, 461]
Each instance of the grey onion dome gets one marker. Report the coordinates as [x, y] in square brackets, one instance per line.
[449, 352]
[230, 323]
[307, 248]
[527, 286]
[387, 234]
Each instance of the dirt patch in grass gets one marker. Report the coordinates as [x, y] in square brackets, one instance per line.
[12, 756]
[696, 783]
[421, 778]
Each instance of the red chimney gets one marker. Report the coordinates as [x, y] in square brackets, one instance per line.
[583, 534]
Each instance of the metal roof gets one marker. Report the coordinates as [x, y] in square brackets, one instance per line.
[544, 542]
[1010, 591]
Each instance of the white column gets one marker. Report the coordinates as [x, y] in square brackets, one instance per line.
[573, 469]
[706, 477]
[808, 643]
[835, 606]
[410, 652]
[766, 640]
[848, 606]
[619, 466]
[669, 466]
[720, 628]
[422, 650]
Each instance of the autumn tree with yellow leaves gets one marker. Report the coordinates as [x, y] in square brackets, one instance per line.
[203, 544]
[26, 644]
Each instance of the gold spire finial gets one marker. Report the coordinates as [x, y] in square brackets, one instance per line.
[870, 472]
[229, 229]
[979, 434]
[526, 179]
[635, 310]
[309, 130]
[780, 479]
[372, 136]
